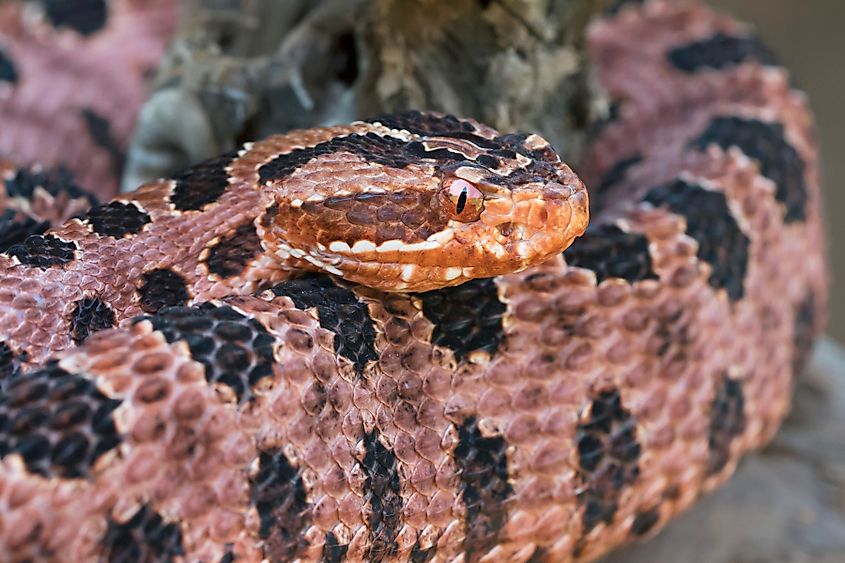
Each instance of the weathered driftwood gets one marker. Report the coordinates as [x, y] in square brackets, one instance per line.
[239, 70]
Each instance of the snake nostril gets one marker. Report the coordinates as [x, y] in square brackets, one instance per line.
[505, 229]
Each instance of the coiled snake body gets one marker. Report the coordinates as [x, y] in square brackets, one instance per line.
[577, 401]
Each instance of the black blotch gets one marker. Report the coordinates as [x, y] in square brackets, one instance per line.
[202, 184]
[59, 422]
[495, 147]
[766, 143]
[228, 557]
[333, 552]
[540, 555]
[387, 151]
[483, 470]
[278, 494]
[488, 161]
[419, 150]
[339, 311]
[144, 537]
[230, 256]
[608, 457]
[162, 288]
[396, 153]
[9, 362]
[100, 131]
[611, 252]
[90, 315]
[466, 318]
[16, 226]
[644, 521]
[727, 421]
[43, 251]
[382, 498]
[83, 16]
[423, 123]
[236, 351]
[619, 4]
[8, 72]
[55, 181]
[420, 555]
[542, 155]
[612, 177]
[720, 51]
[804, 333]
[721, 243]
[117, 219]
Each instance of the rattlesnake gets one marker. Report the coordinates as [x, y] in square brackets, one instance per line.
[393, 401]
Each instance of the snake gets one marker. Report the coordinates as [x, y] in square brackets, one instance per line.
[399, 340]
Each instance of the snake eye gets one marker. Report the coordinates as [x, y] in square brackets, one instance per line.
[462, 200]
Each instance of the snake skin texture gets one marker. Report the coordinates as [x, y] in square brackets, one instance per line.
[72, 82]
[551, 414]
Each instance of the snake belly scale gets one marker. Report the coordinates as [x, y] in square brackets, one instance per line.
[374, 342]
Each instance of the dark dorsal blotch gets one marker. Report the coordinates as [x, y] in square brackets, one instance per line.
[720, 51]
[333, 551]
[16, 226]
[234, 251]
[339, 311]
[387, 151]
[55, 181]
[44, 251]
[117, 219]
[202, 184]
[420, 150]
[804, 335]
[235, 350]
[8, 71]
[146, 536]
[277, 492]
[8, 362]
[100, 131]
[727, 421]
[483, 465]
[58, 422]
[540, 555]
[610, 252]
[422, 555]
[767, 144]
[382, 498]
[89, 315]
[644, 521]
[424, 123]
[162, 288]
[617, 6]
[83, 16]
[616, 174]
[721, 243]
[466, 318]
[608, 457]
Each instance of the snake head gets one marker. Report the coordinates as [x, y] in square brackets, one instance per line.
[420, 201]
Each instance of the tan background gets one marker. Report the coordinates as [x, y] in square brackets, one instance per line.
[810, 38]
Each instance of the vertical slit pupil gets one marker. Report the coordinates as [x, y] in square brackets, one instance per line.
[462, 201]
